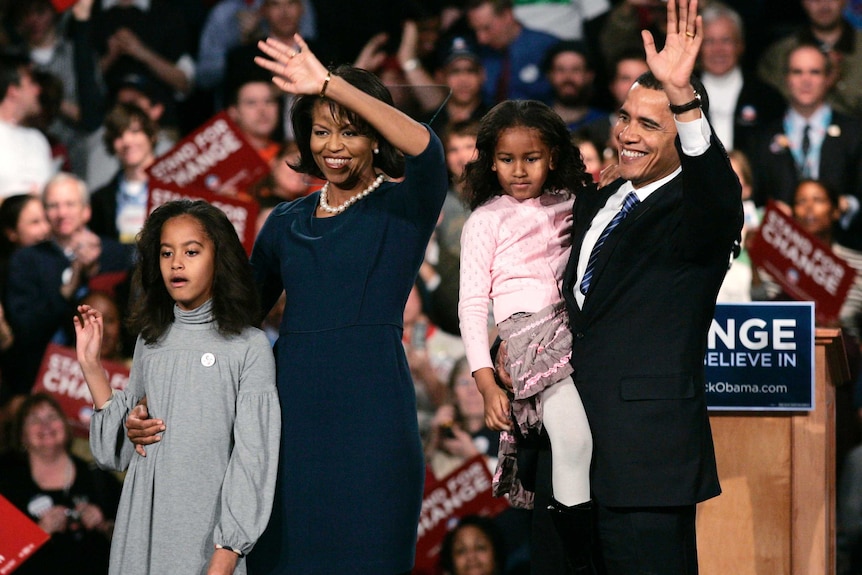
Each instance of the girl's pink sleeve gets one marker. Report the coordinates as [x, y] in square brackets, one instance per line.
[478, 245]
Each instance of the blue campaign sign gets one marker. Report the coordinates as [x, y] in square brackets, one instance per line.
[760, 356]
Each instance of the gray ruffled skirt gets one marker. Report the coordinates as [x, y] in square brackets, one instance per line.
[539, 348]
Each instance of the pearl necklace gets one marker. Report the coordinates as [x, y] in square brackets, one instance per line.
[327, 208]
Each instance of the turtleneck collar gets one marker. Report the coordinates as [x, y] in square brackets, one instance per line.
[202, 314]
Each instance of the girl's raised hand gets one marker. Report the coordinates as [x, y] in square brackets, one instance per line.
[88, 335]
[296, 69]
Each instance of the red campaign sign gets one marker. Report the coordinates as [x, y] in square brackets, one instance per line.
[63, 5]
[60, 375]
[215, 157]
[465, 491]
[214, 163]
[804, 267]
[20, 537]
[241, 211]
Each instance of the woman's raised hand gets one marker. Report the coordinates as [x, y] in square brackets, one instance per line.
[296, 69]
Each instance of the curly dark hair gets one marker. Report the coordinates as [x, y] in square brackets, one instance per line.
[389, 160]
[234, 296]
[484, 524]
[568, 176]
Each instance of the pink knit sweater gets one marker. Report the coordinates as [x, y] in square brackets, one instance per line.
[513, 253]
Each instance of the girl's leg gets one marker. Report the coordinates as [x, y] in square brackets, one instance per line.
[571, 451]
[571, 442]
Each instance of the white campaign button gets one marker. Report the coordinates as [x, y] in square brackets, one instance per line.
[207, 360]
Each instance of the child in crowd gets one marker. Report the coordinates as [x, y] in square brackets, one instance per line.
[514, 250]
[201, 497]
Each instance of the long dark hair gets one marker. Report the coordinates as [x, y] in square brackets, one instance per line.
[389, 160]
[481, 181]
[234, 296]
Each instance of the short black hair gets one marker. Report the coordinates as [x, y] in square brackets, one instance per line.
[831, 192]
[389, 160]
[576, 46]
[648, 80]
[13, 66]
[499, 6]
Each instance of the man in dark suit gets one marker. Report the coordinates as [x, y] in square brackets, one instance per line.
[811, 140]
[740, 102]
[640, 306]
[46, 280]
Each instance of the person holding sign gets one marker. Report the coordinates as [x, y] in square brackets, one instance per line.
[199, 500]
[641, 296]
[350, 483]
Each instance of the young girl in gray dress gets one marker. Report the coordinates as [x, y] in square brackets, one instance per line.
[202, 495]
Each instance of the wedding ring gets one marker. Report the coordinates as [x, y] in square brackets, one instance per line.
[689, 34]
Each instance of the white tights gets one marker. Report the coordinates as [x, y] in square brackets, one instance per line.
[571, 442]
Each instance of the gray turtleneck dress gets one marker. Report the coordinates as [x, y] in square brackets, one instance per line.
[210, 480]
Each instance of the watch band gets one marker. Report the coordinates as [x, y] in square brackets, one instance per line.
[695, 103]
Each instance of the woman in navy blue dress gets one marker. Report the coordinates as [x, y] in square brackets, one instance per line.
[351, 470]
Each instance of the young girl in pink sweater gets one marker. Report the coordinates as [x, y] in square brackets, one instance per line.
[514, 249]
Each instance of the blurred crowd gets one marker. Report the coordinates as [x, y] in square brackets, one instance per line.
[92, 92]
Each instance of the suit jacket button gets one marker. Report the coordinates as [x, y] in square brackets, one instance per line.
[579, 335]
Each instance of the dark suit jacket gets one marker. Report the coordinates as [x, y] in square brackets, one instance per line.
[103, 206]
[776, 176]
[35, 308]
[758, 104]
[640, 339]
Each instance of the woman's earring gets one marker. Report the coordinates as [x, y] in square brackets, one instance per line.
[376, 150]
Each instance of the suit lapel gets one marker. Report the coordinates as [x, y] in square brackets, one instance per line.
[597, 290]
[587, 204]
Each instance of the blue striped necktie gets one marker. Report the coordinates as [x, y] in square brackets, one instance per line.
[630, 201]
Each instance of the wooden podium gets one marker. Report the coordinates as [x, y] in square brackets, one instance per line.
[776, 513]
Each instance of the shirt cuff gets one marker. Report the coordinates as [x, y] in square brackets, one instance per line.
[225, 547]
[106, 404]
[694, 136]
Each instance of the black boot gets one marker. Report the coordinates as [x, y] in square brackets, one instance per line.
[574, 525]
